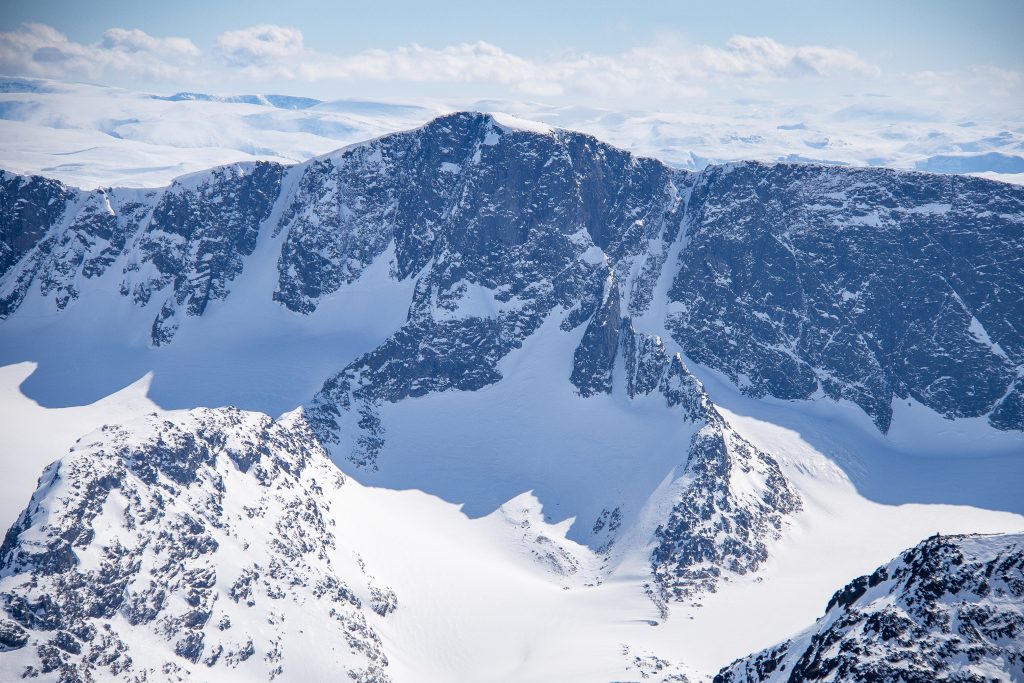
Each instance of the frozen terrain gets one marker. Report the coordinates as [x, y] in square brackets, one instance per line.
[506, 350]
[89, 135]
[478, 600]
[93, 136]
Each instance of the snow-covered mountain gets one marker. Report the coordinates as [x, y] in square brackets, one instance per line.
[189, 548]
[948, 609]
[793, 280]
[651, 391]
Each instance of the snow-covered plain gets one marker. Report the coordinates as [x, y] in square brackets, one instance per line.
[91, 136]
[471, 481]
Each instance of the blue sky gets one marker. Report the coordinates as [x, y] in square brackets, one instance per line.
[654, 54]
[903, 35]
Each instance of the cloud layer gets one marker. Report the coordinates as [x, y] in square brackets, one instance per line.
[40, 50]
[666, 73]
[259, 45]
[270, 52]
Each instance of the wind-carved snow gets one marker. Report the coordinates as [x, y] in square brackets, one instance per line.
[471, 300]
[593, 255]
[931, 208]
[545, 543]
[510, 122]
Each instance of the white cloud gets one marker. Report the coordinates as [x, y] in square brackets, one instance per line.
[275, 52]
[41, 50]
[270, 52]
[763, 57]
[478, 62]
[259, 45]
[665, 72]
[465, 63]
[136, 41]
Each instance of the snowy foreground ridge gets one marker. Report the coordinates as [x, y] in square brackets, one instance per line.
[948, 608]
[546, 411]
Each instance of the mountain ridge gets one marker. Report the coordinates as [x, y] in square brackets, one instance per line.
[339, 212]
[946, 609]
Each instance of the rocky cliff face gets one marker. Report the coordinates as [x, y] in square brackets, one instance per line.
[178, 248]
[862, 284]
[947, 609]
[166, 547]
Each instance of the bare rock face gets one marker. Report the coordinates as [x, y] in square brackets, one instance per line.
[164, 545]
[863, 284]
[948, 609]
[183, 244]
